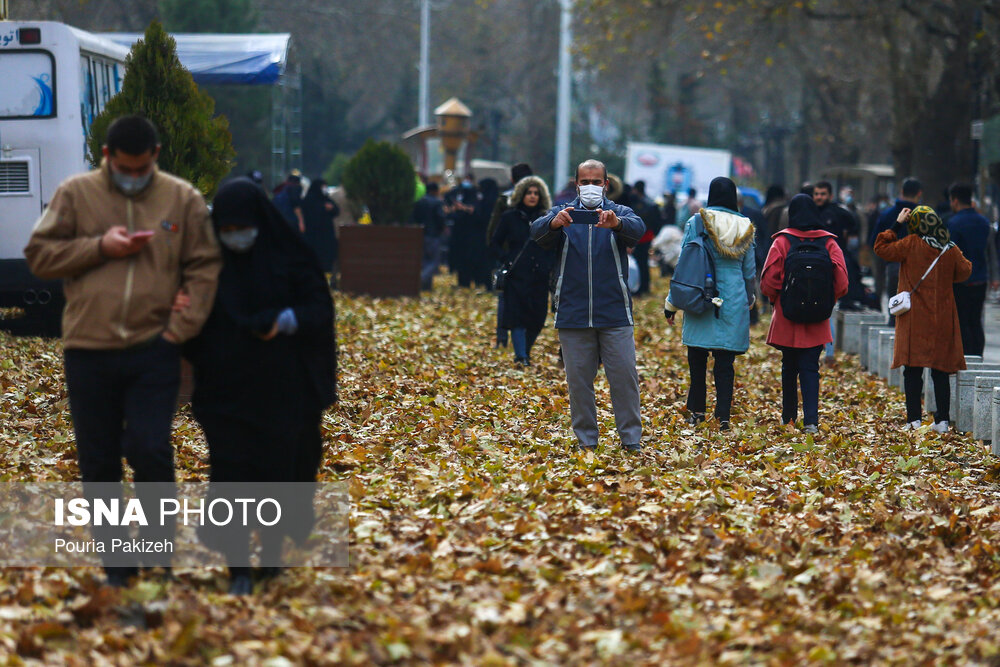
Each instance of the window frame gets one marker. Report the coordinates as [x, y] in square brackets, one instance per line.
[55, 94]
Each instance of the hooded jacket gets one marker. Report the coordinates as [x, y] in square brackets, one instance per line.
[732, 248]
[117, 303]
[591, 267]
[526, 290]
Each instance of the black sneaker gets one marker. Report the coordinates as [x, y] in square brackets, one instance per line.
[120, 577]
[632, 448]
[696, 418]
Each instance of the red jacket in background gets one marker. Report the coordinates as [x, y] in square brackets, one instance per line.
[784, 332]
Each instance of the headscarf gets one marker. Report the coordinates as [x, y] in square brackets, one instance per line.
[247, 290]
[926, 224]
[722, 192]
[803, 214]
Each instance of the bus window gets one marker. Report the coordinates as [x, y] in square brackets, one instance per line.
[27, 91]
[86, 104]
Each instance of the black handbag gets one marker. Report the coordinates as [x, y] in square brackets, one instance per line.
[500, 273]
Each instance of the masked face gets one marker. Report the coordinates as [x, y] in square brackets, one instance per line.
[591, 196]
[238, 239]
[131, 174]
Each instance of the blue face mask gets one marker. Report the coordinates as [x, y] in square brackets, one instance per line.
[239, 240]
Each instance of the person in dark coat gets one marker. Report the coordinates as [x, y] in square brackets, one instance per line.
[460, 204]
[646, 209]
[264, 363]
[318, 211]
[517, 172]
[526, 289]
[482, 262]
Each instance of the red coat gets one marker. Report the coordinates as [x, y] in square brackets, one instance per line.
[784, 332]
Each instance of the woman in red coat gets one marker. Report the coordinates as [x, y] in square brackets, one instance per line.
[800, 343]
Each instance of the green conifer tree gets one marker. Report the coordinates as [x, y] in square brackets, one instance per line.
[196, 146]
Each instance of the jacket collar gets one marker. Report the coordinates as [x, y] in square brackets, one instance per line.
[804, 234]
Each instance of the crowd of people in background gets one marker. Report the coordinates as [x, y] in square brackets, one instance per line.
[255, 317]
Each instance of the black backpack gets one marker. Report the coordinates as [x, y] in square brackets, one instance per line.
[693, 284]
[807, 293]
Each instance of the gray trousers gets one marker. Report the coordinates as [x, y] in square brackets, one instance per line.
[582, 350]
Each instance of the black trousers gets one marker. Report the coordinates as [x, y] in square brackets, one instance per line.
[641, 254]
[913, 385]
[123, 404]
[800, 366]
[969, 301]
[724, 375]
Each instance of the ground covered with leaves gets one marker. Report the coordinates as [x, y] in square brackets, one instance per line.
[479, 535]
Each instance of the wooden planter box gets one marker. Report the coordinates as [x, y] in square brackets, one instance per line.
[381, 261]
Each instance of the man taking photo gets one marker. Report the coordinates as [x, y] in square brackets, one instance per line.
[594, 308]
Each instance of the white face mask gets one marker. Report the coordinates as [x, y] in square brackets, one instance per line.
[130, 185]
[591, 195]
[239, 240]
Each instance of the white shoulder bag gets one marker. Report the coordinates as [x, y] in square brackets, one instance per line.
[900, 303]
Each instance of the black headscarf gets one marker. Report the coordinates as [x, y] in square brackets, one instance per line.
[246, 279]
[803, 214]
[722, 192]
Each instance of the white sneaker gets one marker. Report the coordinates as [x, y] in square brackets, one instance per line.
[940, 427]
[912, 426]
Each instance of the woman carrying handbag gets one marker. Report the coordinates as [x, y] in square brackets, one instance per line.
[927, 334]
[524, 276]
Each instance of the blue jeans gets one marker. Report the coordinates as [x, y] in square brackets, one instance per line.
[800, 366]
[829, 346]
[523, 340]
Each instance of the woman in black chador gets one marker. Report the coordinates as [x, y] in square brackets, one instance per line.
[319, 210]
[264, 364]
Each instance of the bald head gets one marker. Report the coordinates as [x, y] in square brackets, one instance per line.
[590, 166]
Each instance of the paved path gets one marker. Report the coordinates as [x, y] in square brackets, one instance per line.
[992, 327]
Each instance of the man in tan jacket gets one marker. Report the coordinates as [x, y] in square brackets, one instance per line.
[128, 241]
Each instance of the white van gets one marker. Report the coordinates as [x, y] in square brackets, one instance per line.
[56, 79]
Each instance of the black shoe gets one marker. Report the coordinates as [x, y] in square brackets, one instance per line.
[120, 577]
[240, 584]
[523, 362]
[586, 448]
[632, 448]
[696, 418]
[270, 572]
[724, 425]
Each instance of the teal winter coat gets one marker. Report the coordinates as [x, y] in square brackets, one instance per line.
[732, 247]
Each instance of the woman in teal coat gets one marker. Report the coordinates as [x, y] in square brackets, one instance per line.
[723, 331]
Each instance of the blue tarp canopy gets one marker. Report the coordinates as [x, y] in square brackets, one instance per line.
[225, 59]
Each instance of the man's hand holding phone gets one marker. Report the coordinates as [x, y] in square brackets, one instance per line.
[117, 242]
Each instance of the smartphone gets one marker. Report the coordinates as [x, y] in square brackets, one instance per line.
[141, 235]
[584, 217]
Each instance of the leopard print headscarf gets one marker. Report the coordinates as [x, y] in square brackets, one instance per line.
[926, 224]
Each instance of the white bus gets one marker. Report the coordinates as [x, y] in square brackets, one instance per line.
[56, 79]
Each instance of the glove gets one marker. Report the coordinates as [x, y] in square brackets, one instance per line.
[669, 314]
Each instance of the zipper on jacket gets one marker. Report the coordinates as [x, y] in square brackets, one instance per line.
[130, 276]
[590, 274]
